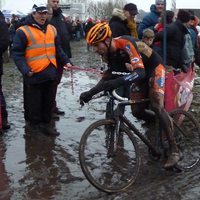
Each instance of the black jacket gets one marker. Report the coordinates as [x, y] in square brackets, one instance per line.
[118, 24]
[88, 26]
[175, 40]
[4, 39]
[59, 22]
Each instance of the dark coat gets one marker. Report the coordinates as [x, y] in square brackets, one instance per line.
[58, 20]
[175, 40]
[149, 21]
[118, 24]
[88, 26]
[4, 40]
[18, 54]
[118, 27]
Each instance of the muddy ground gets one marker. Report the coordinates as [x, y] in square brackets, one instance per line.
[48, 168]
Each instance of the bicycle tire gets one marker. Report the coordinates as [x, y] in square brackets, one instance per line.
[112, 174]
[187, 135]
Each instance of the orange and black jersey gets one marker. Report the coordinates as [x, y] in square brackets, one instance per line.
[146, 64]
[133, 51]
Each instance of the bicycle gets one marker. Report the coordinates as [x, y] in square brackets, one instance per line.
[109, 153]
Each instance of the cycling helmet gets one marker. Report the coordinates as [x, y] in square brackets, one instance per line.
[98, 33]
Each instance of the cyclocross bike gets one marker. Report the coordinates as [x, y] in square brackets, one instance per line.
[109, 152]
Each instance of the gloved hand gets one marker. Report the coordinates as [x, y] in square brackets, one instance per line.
[113, 84]
[85, 97]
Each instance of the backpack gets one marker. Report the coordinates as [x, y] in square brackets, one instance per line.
[187, 54]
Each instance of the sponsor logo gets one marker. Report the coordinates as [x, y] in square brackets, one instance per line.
[128, 48]
[183, 95]
[160, 82]
[134, 60]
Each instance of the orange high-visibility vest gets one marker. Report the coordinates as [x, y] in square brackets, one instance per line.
[40, 50]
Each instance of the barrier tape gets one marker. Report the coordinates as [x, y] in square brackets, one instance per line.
[71, 68]
[83, 69]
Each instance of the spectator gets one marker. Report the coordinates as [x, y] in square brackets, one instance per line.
[170, 18]
[148, 38]
[5, 54]
[196, 42]
[74, 24]
[59, 22]
[175, 34]
[12, 30]
[78, 30]
[151, 19]
[4, 42]
[121, 22]
[38, 66]
[130, 11]
[69, 27]
[87, 27]
[193, 25]
[50, 12]
[12, 18]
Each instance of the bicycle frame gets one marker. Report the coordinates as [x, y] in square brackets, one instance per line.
[119, 118]
[115, 114]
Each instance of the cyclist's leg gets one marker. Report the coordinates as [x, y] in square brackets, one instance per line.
[140, 91]
[156, 96]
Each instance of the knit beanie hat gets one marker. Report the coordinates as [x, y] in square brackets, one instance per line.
[157, 1]
[183, 16]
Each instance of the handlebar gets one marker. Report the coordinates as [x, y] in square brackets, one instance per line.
[106, 93]
[119, 97]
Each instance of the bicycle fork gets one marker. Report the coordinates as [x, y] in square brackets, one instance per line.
[113, 139]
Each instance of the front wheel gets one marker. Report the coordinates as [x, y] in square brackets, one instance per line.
[187, 135]
[110, 163]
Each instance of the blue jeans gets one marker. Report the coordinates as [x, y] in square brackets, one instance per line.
[78, 35]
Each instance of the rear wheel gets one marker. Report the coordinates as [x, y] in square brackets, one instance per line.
[106, 168]
[187, 135]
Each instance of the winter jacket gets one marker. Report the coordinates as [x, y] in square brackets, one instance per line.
[18, 53]
[149, 21]
[88, 26]
[118, 24]
[4, 40]
[58, 20]
[175, 33]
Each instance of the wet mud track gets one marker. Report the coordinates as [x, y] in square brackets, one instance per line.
[48, 168]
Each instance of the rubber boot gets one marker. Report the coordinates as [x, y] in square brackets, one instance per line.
[47, 130]
[5, 124]
[174, 155]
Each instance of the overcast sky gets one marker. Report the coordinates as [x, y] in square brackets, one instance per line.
[26, 5]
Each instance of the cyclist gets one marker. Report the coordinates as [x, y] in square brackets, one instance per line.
[125, 54]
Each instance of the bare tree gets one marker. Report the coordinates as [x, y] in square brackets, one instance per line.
[141, 15]
[103, 9]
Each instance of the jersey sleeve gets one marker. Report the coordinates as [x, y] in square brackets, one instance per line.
[127, 46]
